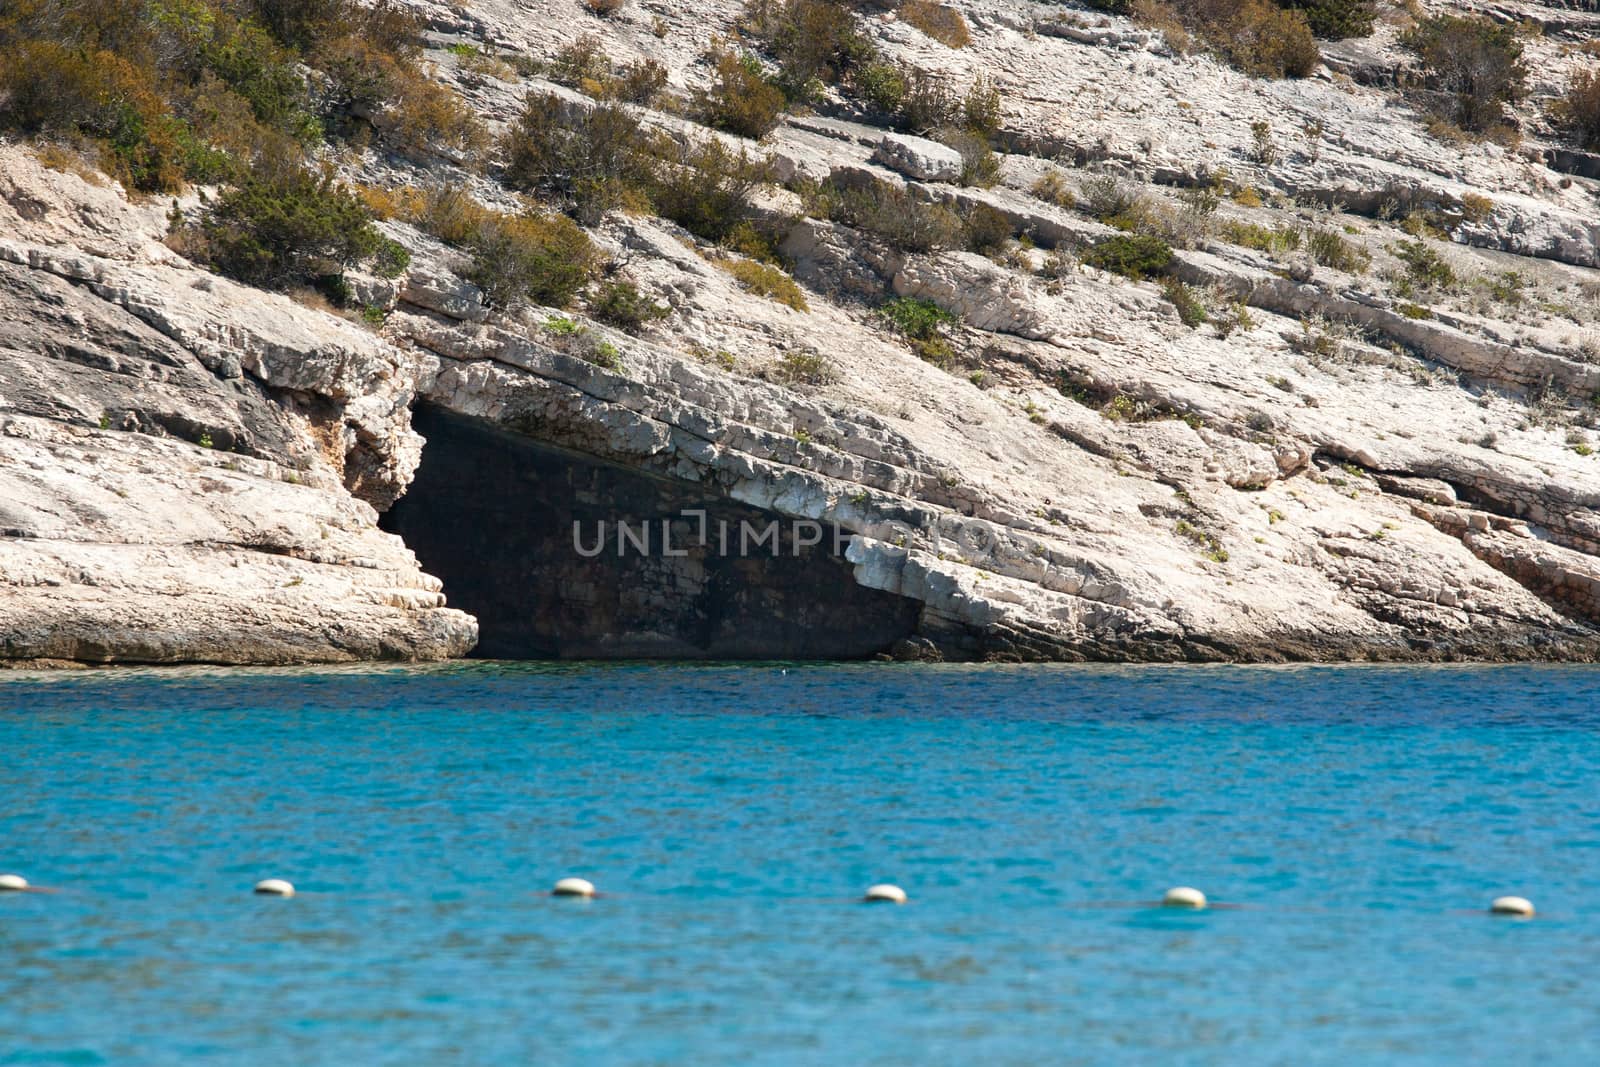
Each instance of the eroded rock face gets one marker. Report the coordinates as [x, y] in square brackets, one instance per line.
[186, 466]
[1331, 466]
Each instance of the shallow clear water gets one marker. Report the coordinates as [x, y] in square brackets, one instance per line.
[1366, 816]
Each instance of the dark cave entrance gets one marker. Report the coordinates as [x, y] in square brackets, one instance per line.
[491, 514]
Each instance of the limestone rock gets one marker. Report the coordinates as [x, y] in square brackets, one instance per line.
[919, 158]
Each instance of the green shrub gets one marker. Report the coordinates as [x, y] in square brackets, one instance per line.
[915, 318]
[1330, 249]
[742, 101]
[815, 42]
[987, 229]
[896, 216]
[1579, 108]
[1476, 61]
[283, 225]
[1425, 268]
[530, 258]
[706, 188]
[590, 159]
[1336, 19]
[980, 109]
[882, 86]
[1191, 312]
[621, 305]
[922, 324]
[1131, 255]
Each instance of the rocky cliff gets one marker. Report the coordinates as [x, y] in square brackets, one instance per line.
[1333, 453]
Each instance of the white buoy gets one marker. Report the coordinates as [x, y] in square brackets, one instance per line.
[1183, 897]
[573, 887]
[885, 894]
[12, 883]
[274, 887]
[1521, 906]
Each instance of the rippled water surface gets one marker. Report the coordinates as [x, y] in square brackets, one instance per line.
[1362, 818]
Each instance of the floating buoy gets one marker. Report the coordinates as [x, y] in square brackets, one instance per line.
[885, 894]
[1183, 897]
[274, 887]
[12, 883]
[1512, 906]
[573, 887]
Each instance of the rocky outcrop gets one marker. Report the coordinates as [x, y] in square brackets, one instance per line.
[188, 469]
[1339, 462]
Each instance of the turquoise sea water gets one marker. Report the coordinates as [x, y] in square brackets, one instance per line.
[1362, 818]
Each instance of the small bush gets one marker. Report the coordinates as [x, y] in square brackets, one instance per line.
[282, 225]
[922, 323]
[1330, 249]
[707, 188]
[589, 159]
[1260, 238]
[584, 60]
[620, 304]
[641, 82]
[742, 101]
[815, 42]
[943, 24]
[798, 367]
[1256, 36]
[1425, 268]
[1130, 255]
[1191, 312]
[1475, 61]
[882, 86]
[1579, 108]
[604, 8]
[896, 216]
[763, 279]
[532, 258]
[426, 118]
[1053, 189]
[1106, 198]
[915, 318]
[979, 165]
[987, 229]
[928, 104]
[1336, 20]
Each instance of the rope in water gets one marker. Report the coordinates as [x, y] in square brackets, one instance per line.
[1179, 897]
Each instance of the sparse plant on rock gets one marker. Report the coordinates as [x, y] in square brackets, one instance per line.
[1191, 311]
[530, 258]
[1579, 108]
[1475, 62]
[801, 367]
[283, 225]
[620, 304]
[1130, 255]
[743, 100]
[1330, 249]
[922, 323]
[764, 279]
[944, 24]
